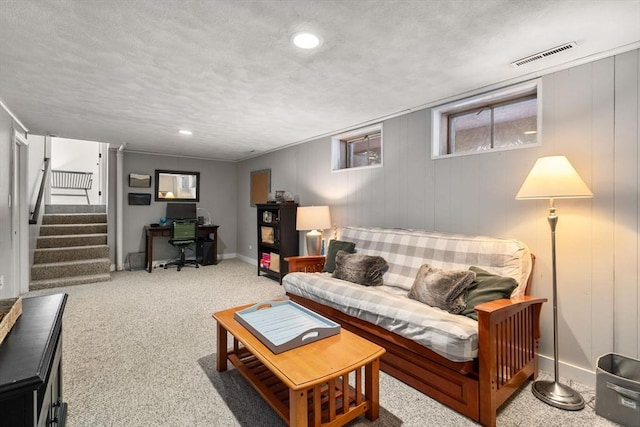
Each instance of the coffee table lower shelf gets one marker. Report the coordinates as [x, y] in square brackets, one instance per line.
[325, 403]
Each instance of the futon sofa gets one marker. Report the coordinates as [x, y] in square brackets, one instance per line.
[472, 366]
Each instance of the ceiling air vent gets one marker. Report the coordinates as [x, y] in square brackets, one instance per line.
[544, 54]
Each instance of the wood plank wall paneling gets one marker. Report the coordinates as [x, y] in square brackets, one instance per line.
[602, 226]
[416, 155]
[590, 114]
[637, 287]
[392, 165]
[626, 204]
[573, 120]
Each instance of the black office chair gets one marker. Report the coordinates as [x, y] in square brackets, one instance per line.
[183, 234]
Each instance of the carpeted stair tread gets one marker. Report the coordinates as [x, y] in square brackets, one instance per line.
[67, 229]
[52, 209]
[74, 218]
[72, 247]
[70, 240]
[69, 253]
[54, 270]
[68, 281]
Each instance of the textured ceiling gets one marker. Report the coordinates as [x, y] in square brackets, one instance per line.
[137, 71]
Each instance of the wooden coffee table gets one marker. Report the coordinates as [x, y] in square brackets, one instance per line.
[308, 384]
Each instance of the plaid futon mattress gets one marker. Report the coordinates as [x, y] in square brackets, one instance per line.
[452, 336]
[406, 250]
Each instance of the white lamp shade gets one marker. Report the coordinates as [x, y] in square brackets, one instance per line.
[553, 178]
[313, 218]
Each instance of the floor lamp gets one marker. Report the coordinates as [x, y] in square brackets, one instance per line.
[316, 219]
[554, 178]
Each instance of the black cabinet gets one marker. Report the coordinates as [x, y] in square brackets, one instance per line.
[31, 366]
[277, 238]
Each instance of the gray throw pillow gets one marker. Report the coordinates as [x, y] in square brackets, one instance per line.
[334, 247]
[445, 289]
[361, 269]
[487, 287]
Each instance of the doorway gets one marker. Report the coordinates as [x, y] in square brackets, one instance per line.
[19, 215]
[75, 155]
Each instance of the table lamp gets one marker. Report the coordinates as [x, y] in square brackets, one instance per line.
[554, 178]
[314, 218]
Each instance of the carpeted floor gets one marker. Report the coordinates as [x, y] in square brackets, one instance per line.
[140, 351]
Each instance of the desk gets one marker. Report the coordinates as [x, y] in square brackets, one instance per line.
[151, 232]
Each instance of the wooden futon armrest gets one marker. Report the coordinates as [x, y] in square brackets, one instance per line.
[513, 304]
[305, 264]
[508, 333]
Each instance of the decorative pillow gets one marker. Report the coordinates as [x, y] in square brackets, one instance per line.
[487, 287]
[445, 289]
[334, 247]
[361, 269]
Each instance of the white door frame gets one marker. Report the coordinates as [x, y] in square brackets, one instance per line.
[103, 161]
[20, 214]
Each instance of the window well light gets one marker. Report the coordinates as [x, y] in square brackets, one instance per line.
[306, 40]
[185, 132]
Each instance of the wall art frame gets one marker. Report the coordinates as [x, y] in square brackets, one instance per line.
[139, 180]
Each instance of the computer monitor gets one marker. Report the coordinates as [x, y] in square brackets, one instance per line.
[181, 211]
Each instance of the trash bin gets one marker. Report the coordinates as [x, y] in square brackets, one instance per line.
[618, 389]
[136, 261]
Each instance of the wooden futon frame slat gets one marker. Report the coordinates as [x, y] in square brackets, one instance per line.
[508, 333]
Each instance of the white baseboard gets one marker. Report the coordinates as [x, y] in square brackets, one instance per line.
[247, 259]
[568, 371]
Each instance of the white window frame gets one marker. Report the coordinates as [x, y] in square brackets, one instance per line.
[439, 117]
[337, 152]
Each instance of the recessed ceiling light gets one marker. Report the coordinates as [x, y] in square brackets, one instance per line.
[306, 40]
[185, 132]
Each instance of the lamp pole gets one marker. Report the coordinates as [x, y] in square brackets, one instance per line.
[552, 392]
[553, 221]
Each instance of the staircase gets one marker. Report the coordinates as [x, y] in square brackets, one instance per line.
[72, 247]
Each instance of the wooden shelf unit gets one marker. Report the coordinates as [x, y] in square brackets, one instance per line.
[276, 220]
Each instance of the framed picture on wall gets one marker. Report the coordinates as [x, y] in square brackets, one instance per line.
[139, 180]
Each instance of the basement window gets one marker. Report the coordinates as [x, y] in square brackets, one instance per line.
[499, 120]
[357, 149]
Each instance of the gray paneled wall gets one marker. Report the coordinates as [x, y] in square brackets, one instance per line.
[590, 114]
[217, 195]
